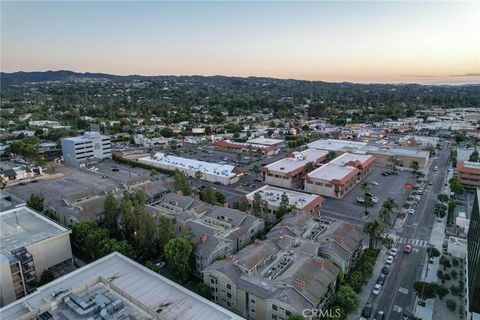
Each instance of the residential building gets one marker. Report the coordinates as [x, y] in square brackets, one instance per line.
[468, 173]
[90, 147]
[473, 257]
[212, 172]
[289, 172]
[9, 201]
[299, 201]
[336, 178]
[114, 287]
[31, 243]
[250, 148]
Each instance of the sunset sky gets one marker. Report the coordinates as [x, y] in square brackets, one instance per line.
[421, 42]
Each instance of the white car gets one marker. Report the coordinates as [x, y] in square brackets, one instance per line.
[375, 183]
[393, 252]
[411, 211]
[375, 200]
[376, 289]
[389, 260]
[417, 198]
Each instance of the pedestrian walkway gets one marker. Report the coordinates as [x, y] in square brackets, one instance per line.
[414, 242]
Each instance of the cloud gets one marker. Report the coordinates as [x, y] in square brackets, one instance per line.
[420, 75]
[470, 74]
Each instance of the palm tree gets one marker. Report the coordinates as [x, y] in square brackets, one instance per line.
[367, 199]
[198, 176]
[393, 163]
[374, 228]
[310, 166]
[387, 210]
[414, 166]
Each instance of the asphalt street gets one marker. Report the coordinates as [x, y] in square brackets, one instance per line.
[397, 294]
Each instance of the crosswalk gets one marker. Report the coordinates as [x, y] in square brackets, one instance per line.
[413, 242]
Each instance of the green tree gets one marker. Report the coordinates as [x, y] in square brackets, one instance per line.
[198, 176]
[46, 277]
[167, 132]
[331, 155]
[347, 298]
[36, 202]
[221, 199]
[424, 290]
[414, 165]
[284, 206]
[310, 166]
[433, 252]
[109, 245]
[243, 205]
[86, 237]
[474, 157]
[181, 183]
[451, 305]
[208, 195]
[165, 231]
[456, 186]
[111, 213]
[374, 228]
[442, 197]
[367, 198]
[178, 254]
[387, 209]
[204, 290]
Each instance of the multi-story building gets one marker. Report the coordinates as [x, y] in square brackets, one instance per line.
[212, 172]
[30, 244]
[473, 257]
[300, 202]
[114, 287]
[336, 178]
[468, 173]
[91, 146]
[289, 172]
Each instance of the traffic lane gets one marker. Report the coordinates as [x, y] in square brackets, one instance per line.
[397, 294]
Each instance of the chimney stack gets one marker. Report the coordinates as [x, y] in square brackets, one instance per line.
[257, 242]
[300, 285]
[203, 238]
[225, 205]
[339, 238]
[350, 226]
[229, 257]
[320, 263]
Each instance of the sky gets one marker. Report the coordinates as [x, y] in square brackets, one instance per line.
[368, 42]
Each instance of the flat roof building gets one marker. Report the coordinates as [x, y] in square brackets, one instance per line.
[336, 178]
[301, 202]
[246, 147]
[91, 146]
[267, 141]
[30, 244]
[212, 172]
[116, 287]
[289, 172]
[337, 145]
[468, 173]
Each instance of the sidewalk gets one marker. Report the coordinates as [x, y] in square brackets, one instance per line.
[367, 288]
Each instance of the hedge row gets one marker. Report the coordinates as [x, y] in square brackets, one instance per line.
[137, 164]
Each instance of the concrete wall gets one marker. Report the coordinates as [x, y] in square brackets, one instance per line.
[7, 291]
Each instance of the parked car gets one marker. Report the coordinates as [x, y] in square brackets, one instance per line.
[367, 310]
[375, 199]
[376, 289]
[386, 269]
[33, 181]
[411, 211]
[375, 183]
[389, 260]
[385, 174]
[360, 200]
[115, 169]
[379, 316]
[435, 168]
[381, 279]
[407, 249]
[393, 252]
[23, 183]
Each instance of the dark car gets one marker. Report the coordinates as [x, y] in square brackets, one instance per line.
[379, 316]
[34, 181]
[381, 279]
[367, 310]
[23, 183]
[115, 169]
[385, 270]
[386, 174]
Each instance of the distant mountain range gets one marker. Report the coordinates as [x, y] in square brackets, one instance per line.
[21, 77]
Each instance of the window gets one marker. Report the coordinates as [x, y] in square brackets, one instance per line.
[288, 313]
[274, 307]
[229, 295]
[212, 280]
[229, 304]
[229, 286]
[252, 301]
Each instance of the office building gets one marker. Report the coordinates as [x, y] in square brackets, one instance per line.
[468, 173]
[473, 257]
[81, 150]
[114, 287]
[31, 243]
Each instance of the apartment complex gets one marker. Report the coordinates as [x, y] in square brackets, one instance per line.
[468, 173]
[217, 231]
[31, 243]
[301, 202]
[91, 146]
[114, 287]
[289, 272]
[473, 257]
[336, 178]
[289, 172]
[250, 148]
[212, 172]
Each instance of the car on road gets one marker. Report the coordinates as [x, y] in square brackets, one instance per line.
[367, 310]
[407, 249]
[375, 199]
[115, 169]
[258, 180]
[418, 198]
[374, 183]
[379, 316]
[389, 260]
[381, 279]
[411, 211]
[393, 252]
[386, 269]
[430, 183]
[385, 174]
[23, 183]
[360, 200]
[435, 168]
[33, 181]
[376, 289]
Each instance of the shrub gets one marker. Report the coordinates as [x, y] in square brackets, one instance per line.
[451, 305]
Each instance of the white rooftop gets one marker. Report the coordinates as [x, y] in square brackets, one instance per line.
[160, 158]
[87, 136]
[273, 195]
[128, 279]
[337, 145]
[337, 169]
[23, 226]
[265, 141]
[471, 165]
[299, 160]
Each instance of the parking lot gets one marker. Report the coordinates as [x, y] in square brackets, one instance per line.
[125, 172]
[392, 186]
